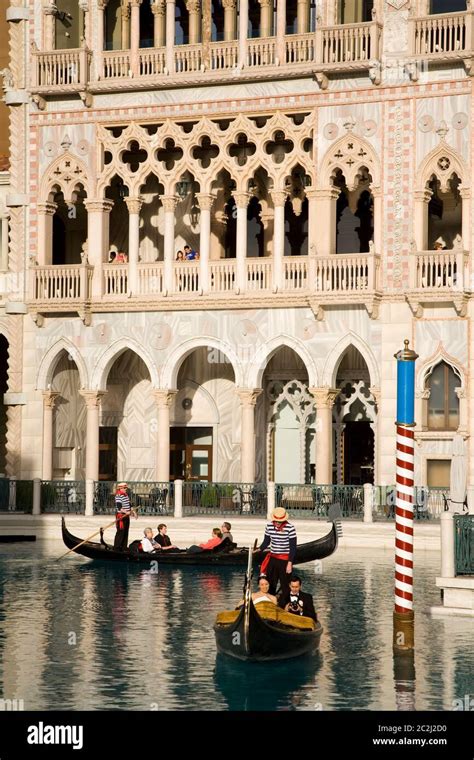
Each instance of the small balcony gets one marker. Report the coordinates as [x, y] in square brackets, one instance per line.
[439, 276]
[302, 280]
[442, 37]
[60, 71]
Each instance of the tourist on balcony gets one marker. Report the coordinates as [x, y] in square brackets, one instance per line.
[121, 258]
[440, 244]
[180, 256]
[189, 253]
[112, 254]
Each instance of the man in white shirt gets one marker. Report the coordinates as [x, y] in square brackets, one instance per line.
[149, 544]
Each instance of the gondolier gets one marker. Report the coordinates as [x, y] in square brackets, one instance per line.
[280, 536]
[123, 510]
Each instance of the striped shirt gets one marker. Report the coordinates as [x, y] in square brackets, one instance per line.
[280, 541]
[122, 503]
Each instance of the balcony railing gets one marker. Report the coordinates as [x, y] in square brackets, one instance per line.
[340, 47]
[69, 286]
[70, 283]
[59, 69]
[441, 34]
[464, 544]
[440, 270]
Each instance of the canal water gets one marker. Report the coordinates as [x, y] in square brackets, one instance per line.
[79, 635]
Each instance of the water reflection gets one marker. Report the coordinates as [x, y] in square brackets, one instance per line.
[76, 635]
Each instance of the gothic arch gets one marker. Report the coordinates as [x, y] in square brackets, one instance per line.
[350, 154]
[102, 368]
[268, 349]
[442, 161]
[175, 359]
[66, 172]
[50, 359]
[427, 367]
[333, 360]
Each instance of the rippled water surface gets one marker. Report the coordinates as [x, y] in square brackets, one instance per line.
[79, 635]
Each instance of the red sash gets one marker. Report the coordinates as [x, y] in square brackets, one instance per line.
[269, 556]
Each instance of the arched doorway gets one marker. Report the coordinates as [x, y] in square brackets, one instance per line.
[69, 421]
[355, 419]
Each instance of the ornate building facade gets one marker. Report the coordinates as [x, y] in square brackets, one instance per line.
[317, 157]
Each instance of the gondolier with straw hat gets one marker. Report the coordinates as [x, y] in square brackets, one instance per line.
[280, 536]
[122, 516]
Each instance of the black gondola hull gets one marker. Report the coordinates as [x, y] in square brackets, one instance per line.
[255, 639]
[313, 550]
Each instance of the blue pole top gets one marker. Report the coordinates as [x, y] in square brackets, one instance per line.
[406, 385]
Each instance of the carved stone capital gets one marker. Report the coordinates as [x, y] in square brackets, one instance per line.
[92, 398]
[376, 393]
[50, 9]
[229, 4]
[105, 206]
[423, 195]
[46, 208]
[205, 201]
[241, 199]
[248, 396]
[325, 194]
[169, 202]
[134, 3]
[164, 397]
[125, 10]
[325, 397]
[134, 205]
[278, 197]
[193, 6]
[49, 399]
[158, 8]
[460, 393]
[424, 394]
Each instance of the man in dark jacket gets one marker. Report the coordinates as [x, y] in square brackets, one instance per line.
[297, 602]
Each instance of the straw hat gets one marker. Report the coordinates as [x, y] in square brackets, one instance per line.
[440, 241]
[122, 485]
[279, 515]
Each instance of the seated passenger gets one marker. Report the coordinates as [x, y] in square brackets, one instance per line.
[214, 541]
[163, 539]
[262, 594]
[149, 544]
[296, 601]
[226, 528]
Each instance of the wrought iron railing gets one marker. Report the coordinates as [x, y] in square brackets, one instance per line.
[314, 501]
[201, 498]
[428, 505]
[464, 544]
[63, 496]
[16, 495]
[148, 498]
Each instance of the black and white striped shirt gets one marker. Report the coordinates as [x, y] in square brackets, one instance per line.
[280, 541]
[122, 503]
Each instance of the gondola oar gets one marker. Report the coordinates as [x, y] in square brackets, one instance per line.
[89, 537]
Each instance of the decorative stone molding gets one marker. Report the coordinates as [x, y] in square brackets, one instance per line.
[158, 8]
[47, 208]
[324, 398]
[49, 399]
[241, 199]
[134, 205]
[103, 205]
[205, 201]
[248, 396]
[278, 197]
[92, 398]
[350, 153]
[164, 397]
[169, 202]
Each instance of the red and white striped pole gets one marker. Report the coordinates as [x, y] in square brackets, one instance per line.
[403, 616]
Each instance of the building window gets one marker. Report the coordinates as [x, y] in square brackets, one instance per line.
[447, 6]
[443, 403]
[355, 11]
[438, 473]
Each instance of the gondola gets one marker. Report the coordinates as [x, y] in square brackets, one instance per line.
[264, 631]
[229, 556]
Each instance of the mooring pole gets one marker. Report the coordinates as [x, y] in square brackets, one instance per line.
[403, 615]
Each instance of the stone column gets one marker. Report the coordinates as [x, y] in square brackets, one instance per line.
[313, 229]
[125, 25]
[243, 30]
[378, 218]
[205, 204]
[206, 34]
[164, 399]
[49, 400]
[134, 205]
[49, 25]
[465, 194]
[463, 413]
[170, 35]
[266, 17]
[169, 203]
[324, 401]
[92, 399]
[97, 43]
[248, 399]
[194, 11]
[45, 213]
[84, 7]
[98, 212]
[241, 202]
[135, 35]
[4, 249]
[158, 8]
[302, 17]
[266, 217]
[324, 211]
[420, 222]
[279, 198]
[281, 32]
[230, 18]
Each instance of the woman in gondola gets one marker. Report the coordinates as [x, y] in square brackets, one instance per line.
[262, 595]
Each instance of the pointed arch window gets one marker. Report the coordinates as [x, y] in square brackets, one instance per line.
[443, 402]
